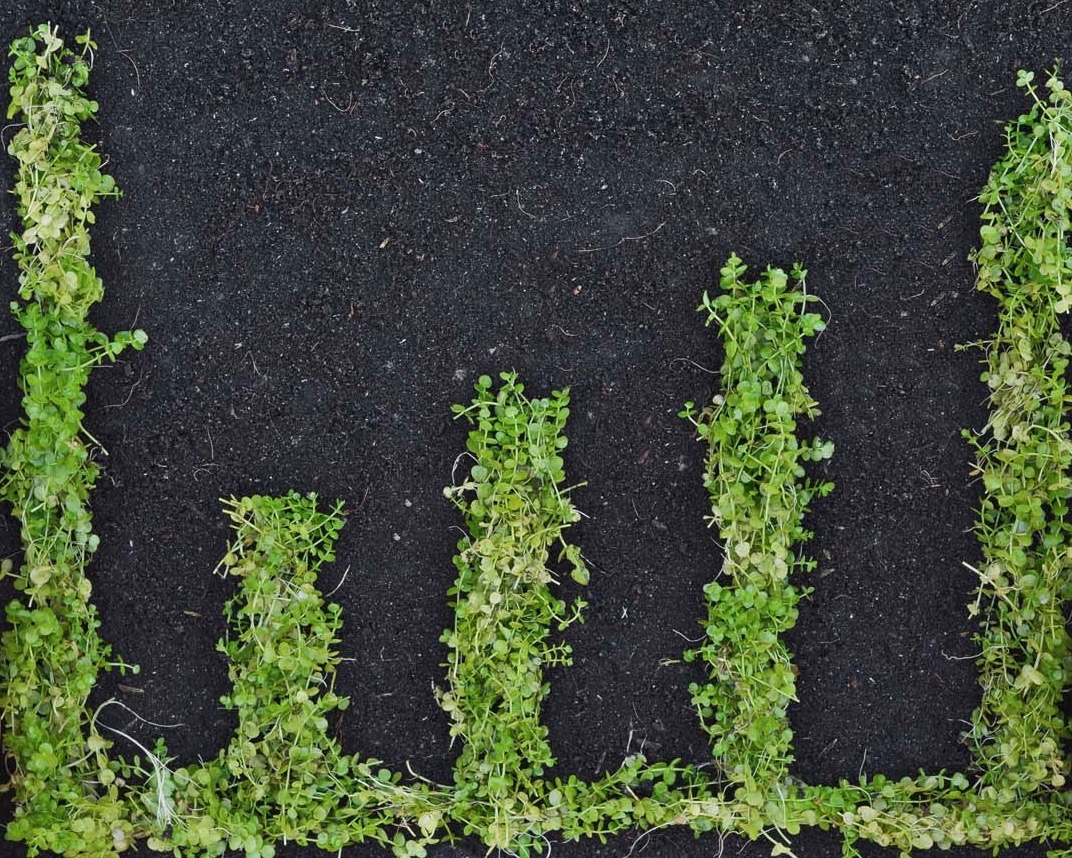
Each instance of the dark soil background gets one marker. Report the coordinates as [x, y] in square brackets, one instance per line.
[339, 214]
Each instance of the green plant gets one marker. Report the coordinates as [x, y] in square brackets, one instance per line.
[283, 778]
[1025, 456]
[67, 798]
[73, 797]
[759, 496]
[517, 509]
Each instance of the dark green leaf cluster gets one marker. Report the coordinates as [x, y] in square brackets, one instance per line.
[516, 512]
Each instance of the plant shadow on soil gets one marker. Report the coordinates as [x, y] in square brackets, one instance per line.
[339, 214]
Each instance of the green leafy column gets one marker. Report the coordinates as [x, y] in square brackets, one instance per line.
[759, 496]
[66, 791]
[1025, 456]
[283, 777]
[516, 511]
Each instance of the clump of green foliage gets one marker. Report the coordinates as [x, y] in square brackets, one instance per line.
[283, 778]
[759, 497]
[517, 508]
[67, 798]
[1024, 457]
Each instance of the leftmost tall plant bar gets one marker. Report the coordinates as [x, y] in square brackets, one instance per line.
[67, 794]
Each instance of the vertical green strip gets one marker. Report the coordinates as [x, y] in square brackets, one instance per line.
[1025, 456]
[516, 510]
[759, 496]
[66, 795]
[283, 778]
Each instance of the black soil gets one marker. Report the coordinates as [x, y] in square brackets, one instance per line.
[339, 214]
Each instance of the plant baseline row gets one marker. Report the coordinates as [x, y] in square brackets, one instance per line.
[283, 777]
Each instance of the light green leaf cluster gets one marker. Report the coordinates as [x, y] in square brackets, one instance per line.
[755, 475]
[67, 790]
[283, 778]
[515, 511]
[1016, 791]
[1024, 457]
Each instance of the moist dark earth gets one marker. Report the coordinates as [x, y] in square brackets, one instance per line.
[339, 214]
